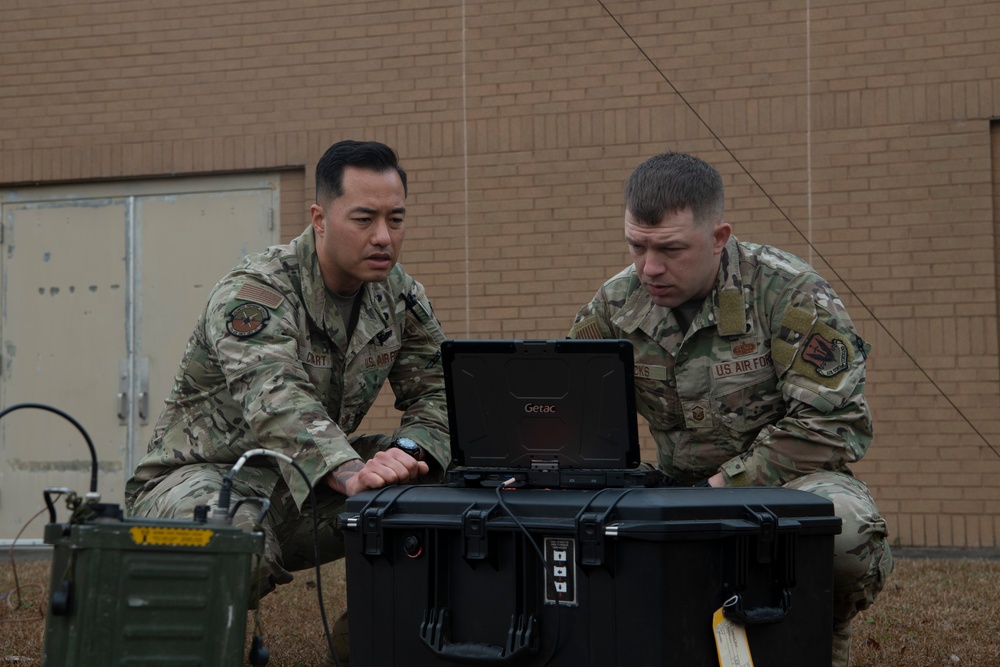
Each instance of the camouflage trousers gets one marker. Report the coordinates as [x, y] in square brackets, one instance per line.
[289, 541]
[862, 560]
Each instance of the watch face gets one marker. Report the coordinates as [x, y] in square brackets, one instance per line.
[408, 446]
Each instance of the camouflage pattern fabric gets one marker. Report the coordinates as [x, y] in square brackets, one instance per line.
[862, 560]
[766, 386]
[269, 366]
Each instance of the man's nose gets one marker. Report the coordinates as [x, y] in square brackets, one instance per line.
[380, 233]
[653, 265]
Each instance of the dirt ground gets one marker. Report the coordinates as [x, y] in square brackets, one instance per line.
[935, 612]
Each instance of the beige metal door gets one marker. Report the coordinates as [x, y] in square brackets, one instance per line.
[101, 286]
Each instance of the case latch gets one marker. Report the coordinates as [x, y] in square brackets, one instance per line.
[371, 530]
[590, 537]
[767, 523]
[474, 533]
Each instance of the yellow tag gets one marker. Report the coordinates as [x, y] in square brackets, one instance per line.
[175, 537]
[731, 642]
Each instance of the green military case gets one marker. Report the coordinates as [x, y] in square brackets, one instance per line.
[148, 592]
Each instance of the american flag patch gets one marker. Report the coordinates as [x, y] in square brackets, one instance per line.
[587, 329]
[259, 294]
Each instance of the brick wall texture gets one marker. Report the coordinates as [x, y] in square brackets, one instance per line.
[860, 135]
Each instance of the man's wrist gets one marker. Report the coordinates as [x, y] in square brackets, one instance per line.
[338, 478]
[410, 447]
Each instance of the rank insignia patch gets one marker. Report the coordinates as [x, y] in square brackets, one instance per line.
[247, 319]
[829, 357]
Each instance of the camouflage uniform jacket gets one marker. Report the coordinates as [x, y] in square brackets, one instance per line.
[266, 367]
[767, 383]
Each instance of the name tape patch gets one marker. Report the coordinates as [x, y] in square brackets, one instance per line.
[741, 366]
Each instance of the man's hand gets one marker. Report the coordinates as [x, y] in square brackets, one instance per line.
[390, 466]
[717, 480]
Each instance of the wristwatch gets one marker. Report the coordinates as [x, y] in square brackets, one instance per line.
[410, 447]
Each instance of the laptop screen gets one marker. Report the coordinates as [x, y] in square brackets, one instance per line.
[523, 404]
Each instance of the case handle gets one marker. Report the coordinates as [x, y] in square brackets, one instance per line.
[434, 633]
[734, 611]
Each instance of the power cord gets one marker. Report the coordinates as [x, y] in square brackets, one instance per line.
[83, 431]
[502, 503]
[93, 496]
[225, 495]
[20, 608]
[545, 564]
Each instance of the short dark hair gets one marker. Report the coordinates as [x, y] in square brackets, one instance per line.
[671, 182]
[370, 155]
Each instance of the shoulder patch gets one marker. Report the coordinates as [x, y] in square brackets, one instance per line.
[260, 294]
[587, 328]
[825, 354]
[247, 319]
[828, 356]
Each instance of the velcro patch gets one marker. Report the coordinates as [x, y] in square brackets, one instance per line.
[825, 354]
[828, 356]
[588, 329]
[316, 359]
[798, 320]
[247, 319]
[260, 294]
[740, 366]
[732, 319]
[648, 372]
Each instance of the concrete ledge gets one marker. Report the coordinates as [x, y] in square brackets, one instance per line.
[946, 552]
[24, 554]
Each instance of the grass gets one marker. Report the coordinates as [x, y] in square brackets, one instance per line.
[934, 612]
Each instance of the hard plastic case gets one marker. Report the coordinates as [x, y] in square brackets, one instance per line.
[440, 575]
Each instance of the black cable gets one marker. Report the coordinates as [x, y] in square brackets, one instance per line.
[392, 501]
[809, 243]
[83, 431]
[315, 522]
[611, 506]
[502, 503]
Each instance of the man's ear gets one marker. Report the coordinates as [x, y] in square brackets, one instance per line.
[720, 236]
[318, 214]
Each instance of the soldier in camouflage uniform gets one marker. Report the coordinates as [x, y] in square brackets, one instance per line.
[747, 365]
[289, 354]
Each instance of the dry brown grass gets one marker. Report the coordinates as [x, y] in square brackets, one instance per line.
[934, 613]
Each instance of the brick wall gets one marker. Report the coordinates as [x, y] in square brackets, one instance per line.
[857, 135]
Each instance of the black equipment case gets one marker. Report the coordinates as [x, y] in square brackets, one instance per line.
[441, 575]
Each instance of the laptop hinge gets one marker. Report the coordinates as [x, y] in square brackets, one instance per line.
[545, 464]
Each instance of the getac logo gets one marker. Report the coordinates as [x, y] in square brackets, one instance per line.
[534, 407]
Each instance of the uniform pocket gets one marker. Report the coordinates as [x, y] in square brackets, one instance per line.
[659, 404]
[749, 401]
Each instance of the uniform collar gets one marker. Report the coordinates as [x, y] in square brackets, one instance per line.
[375, 298]
[725, 307]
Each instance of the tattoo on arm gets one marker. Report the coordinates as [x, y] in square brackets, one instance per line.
[340, 475]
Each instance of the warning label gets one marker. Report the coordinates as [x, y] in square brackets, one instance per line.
[175, 537]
